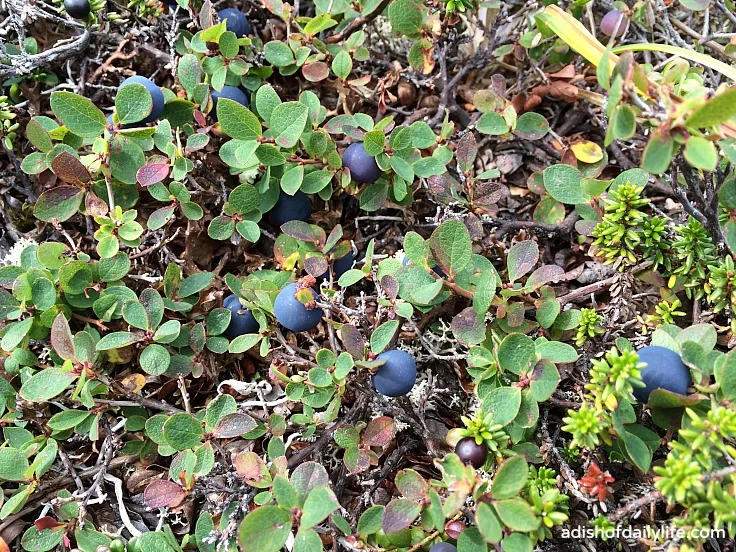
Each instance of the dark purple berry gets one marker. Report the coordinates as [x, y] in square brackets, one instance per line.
[471, 452]
[241, 320]
[397, 375]
[235, 21]
[157, 96]
[296, 207]
[443, 547]
[664, 370]
[363, 167]
[231, 93]
[610, 22]
[77, 9]
[292, 314]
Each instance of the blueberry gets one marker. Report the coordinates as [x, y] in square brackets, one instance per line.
[292, 314]
[339, 267]
[397, 375]
[443, 547]
[241, 321]
[77, 9]
[664, 370]
[611, 20]
[363, 167]
[156, 95]
[231, 93]
[471, 452]
[235, 21]
[296, 207]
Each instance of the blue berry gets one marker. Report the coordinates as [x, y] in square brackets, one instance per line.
[77, 9]
[156, 95]
[296, 207]
[235, 21]
[292, 314]
[397, 376]
[363, 167]
[241, 321]
[231, 93]
[443, 547]
[664, 370]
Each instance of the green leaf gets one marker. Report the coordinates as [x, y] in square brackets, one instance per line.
[516, 353]
[265, 529]
[531, 126]
[370, 522]
[266, 101]
[383, 335]
[451, 246]
[42, 540]
[342, 65]
[715, 111]
[278, 53]
[373, 142]
[116, 340]
[517, 514]
[405, 17]
[701, 153]
[556, 351]
[15, 333]
[492, 123]
[510, 478]
[126, 157]
[562, 182]
[238, 121]
[287, 123]
[78, 114]
[155, 359]
[195, 283]
[13, 464]
[320, 503]
[182, 431]
[46, 384]
[658, 154]
[471, 540]
[243, 343]
[67, 419]
[133, 103]
[292, 180]
[189, 72]
[503, 404]
[487, 522]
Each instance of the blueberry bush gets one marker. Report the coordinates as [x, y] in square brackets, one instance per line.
[383, 275]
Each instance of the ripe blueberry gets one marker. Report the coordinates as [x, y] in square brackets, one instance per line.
[471, 452]
[397, 376]
[664, 370]
[339, 267]
[241, 321]
[296, 207]
[77, 9]
[231, 93]
[235, 21]
[292, 314]
[156, 95]
[443, 547]
[611, 20]
[363, 167]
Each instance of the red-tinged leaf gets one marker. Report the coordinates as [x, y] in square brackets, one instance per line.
[46, 522]
[61, 338]
[411, 485]
[360, 81]
[521, 259]
[390, 286]
[234, 425]
[454, 529]
[468, 327]
[353, 341]
[545, 274]
[151, 174]
[399, 514]
[70, 169]
[467, 149]
[379, 432]
[4, 545]
[304, 231]
[95, 205]
[356, 459]
[316, 71]
[252, 469]
[316, 266]
[60, 203]
[163, 493]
